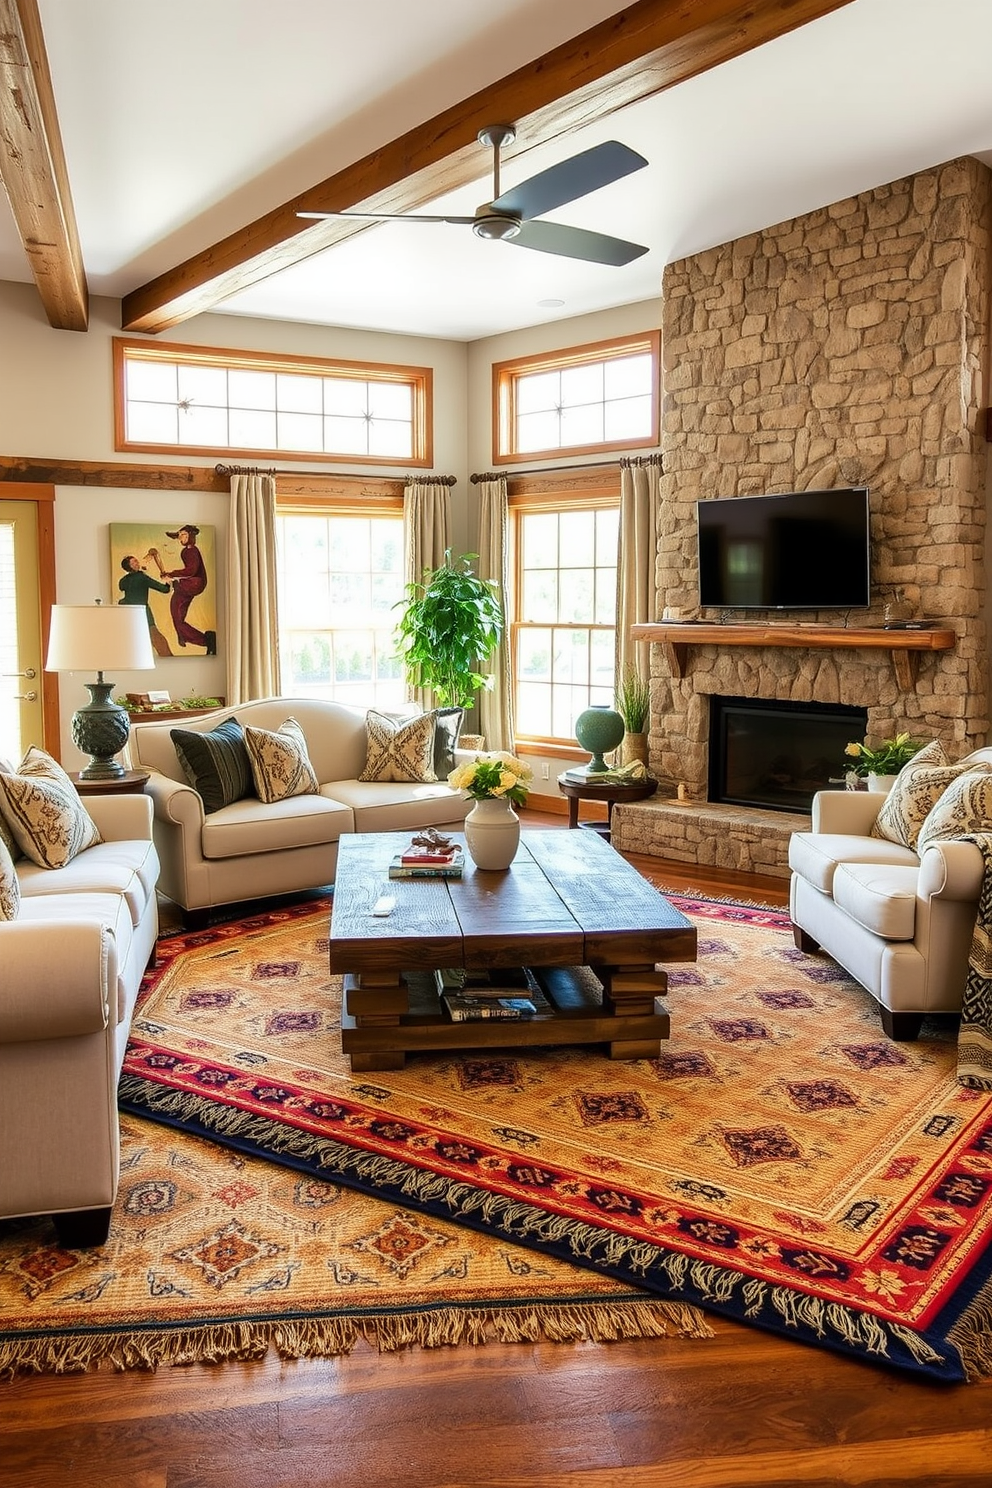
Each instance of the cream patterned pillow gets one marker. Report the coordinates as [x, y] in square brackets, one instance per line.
[280, 763]
[915, 791]
[43, 810]
[965, 806]
[400, 749]
[10, 888]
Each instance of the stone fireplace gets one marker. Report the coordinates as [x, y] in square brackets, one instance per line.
[774, 753]
[846, 347]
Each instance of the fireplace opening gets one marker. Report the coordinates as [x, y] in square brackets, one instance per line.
[775, 754]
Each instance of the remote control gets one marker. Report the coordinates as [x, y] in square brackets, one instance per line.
[384, 905]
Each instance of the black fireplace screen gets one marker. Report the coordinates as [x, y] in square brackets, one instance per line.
[777, 755]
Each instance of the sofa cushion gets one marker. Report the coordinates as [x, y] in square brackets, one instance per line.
[126, 867]
[816, 856]
[400, 749]
[249, 826]
[216, 763]
[400, 806]
[915, 791]
[49, 822]
[10, 889]
[965, 806]
[447, 729]
[879, 896]
[280, 763]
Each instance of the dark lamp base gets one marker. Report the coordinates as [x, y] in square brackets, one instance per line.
[101, 730]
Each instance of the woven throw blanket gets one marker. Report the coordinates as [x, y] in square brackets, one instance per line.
[975, 1037]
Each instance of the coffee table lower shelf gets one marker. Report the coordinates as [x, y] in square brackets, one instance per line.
[575, 1015]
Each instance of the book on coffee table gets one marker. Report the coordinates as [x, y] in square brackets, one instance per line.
[450, 868]
[464, 1007]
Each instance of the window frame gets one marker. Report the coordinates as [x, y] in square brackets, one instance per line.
[551, 491]
[420, 380]
[506, 376]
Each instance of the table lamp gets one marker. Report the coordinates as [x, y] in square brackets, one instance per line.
[99, 638]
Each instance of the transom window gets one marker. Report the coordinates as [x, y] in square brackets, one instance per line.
[588, 398]
[564, 614]
[255, 403]
[339, 575]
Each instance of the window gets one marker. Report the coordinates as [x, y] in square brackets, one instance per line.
[601, 397]
[253, 403]
[339, 574]
[563, 625]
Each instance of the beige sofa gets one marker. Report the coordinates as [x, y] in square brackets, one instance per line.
[250, 849]
[71, 964]
[900, 924]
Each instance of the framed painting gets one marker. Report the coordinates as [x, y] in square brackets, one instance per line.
[172, 572]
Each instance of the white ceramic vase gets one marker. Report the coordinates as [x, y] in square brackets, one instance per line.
[492, 832]
[881, 783]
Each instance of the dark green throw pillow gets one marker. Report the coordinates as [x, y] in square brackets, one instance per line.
[447, 727]
[215, 763]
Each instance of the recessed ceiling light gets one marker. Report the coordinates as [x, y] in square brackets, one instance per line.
[550, 304]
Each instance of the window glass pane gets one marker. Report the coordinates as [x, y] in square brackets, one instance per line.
[345, 397]
[389, 438]
[606, 596]
[607, 531]
[534, 654]
[577, 596]
[540, 595]
[390, 400]
[153, 423]
[624, 377]
[154, 381]
[204, 385]
[578, 535]
[538, 392]
[298, 394]
[203, 425]
[601, 664]
[582, 385]
[537, 431]
[251, 389]
[300, 431]
[582, 425]
[349, 436]
[534, 710]
[252, 429]
[629, 418]
[540, 541]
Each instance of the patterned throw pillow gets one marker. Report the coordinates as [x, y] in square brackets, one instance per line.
[10, 888]
[915, 791]
[43, 810]
[280, 764]
[447, 728]
[215, 763]
[965, 806]
[399, 750]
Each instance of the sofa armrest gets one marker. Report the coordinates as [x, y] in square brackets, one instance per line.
[176, 803]
[121, 818]
[54, 979]
[951, 870]
[848, 813]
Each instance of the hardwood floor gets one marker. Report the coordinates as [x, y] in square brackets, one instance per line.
[743, 1409]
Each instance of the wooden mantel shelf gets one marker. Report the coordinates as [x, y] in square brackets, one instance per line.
[903, 645]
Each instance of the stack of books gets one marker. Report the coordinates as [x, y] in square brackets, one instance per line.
[472, 996]
[469, 1007]
[418, 861]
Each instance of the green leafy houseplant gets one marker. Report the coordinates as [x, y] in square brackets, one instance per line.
[633, 699]
[887, 759]
[450, 623]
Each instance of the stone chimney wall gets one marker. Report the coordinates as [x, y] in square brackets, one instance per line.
[845, 347]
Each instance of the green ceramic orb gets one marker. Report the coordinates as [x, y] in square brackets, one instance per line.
[599, 729]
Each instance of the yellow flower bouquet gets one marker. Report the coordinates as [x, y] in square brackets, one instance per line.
[493, 776]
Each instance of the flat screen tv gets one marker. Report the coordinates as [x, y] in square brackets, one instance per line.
[806, 550]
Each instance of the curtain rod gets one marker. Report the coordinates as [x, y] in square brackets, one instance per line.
[567, 469]
[428, 480]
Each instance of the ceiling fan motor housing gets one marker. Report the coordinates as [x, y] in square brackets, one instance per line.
[495, 225]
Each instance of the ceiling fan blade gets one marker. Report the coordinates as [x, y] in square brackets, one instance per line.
[569, 179]
[575, 242]
[387, 217]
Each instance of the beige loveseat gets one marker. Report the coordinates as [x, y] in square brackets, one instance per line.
[250, 849]
[71, 964]
[902, 925]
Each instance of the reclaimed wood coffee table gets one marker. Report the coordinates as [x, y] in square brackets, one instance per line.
[567, 903]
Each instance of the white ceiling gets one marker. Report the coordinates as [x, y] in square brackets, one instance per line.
[183, 122]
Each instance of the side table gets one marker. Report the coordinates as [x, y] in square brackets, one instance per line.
[131, 783]
[592, 790]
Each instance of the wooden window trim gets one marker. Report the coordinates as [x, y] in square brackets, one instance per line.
[421, 379]
[504, 387]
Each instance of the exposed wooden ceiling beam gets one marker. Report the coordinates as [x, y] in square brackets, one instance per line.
[33, 169]
[650, 46]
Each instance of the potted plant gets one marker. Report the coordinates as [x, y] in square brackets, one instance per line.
[880, 766]
[633, 699]
[496, 783]
[451, 623]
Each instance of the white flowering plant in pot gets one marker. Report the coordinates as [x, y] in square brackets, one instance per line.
[496, 776]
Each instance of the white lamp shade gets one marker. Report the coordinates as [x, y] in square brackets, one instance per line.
[99, 638]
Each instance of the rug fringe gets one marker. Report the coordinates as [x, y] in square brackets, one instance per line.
[312, 1338]
[972, 1335]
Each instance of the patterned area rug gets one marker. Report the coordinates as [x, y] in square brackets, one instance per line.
[782, 1162]
[216, 1255]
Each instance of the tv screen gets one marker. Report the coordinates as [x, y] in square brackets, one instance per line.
[807, 550]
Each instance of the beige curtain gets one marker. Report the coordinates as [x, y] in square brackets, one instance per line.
[426, 538]
[496, 706]
[637, 552]
[252, 620]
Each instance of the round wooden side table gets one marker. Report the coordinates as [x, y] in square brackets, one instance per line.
[131, 783]
[592, 790]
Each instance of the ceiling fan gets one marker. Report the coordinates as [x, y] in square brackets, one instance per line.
[509, 217]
